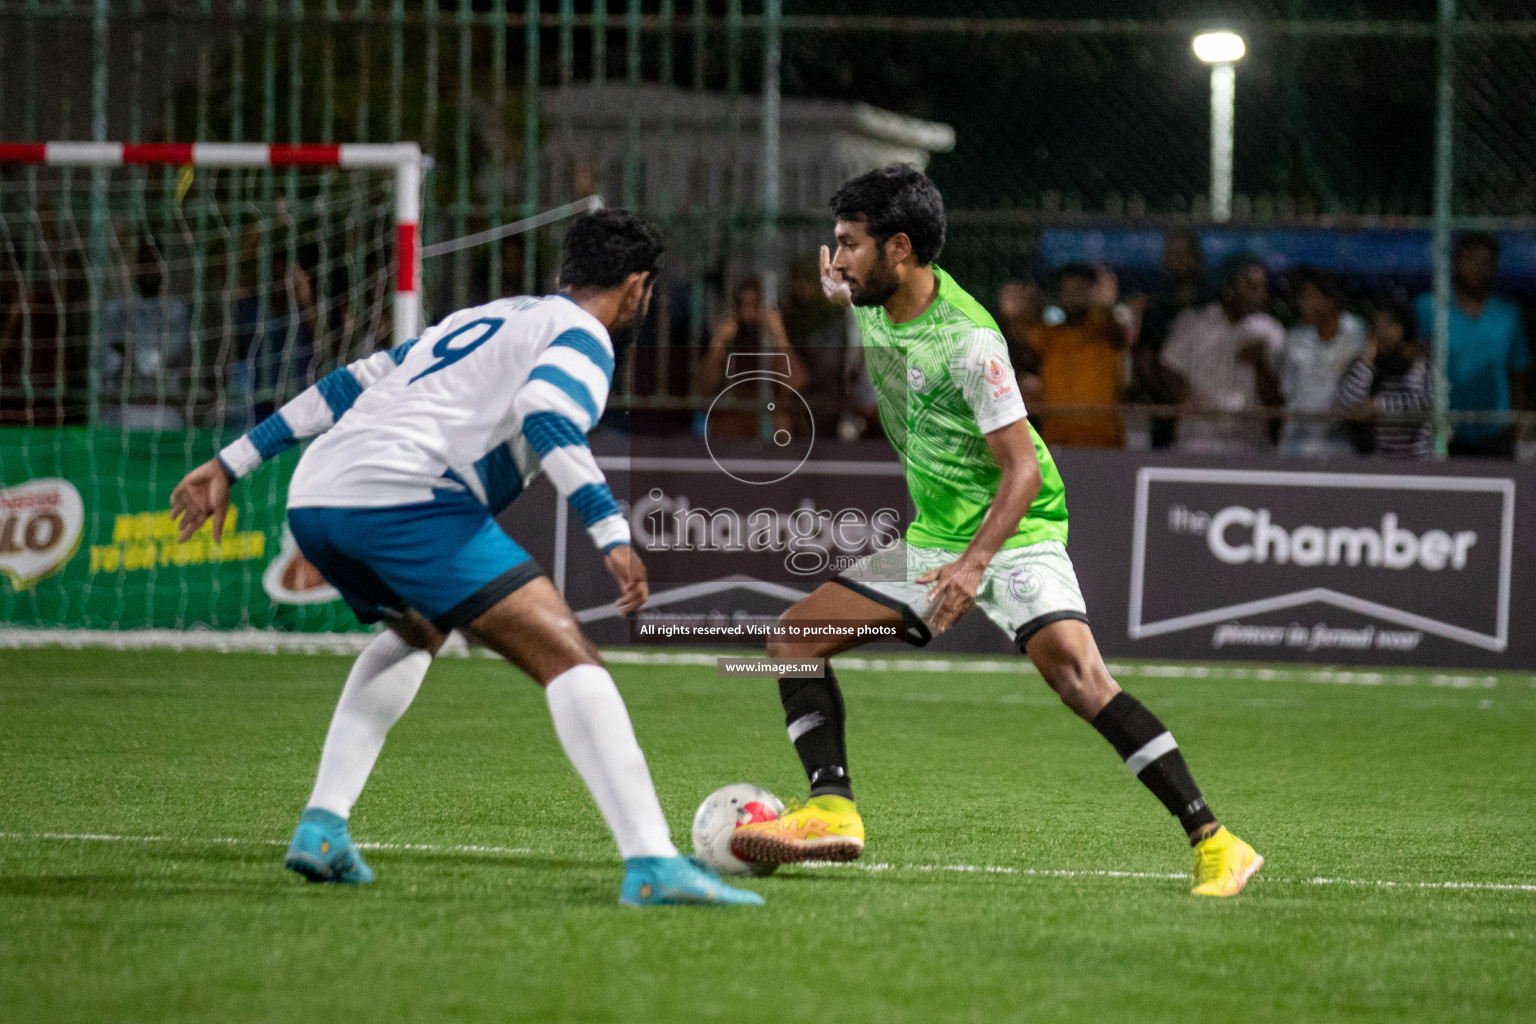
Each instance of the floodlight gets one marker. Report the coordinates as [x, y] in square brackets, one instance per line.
[1220, 47]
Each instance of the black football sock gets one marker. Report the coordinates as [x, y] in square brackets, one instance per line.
[1150, 753]
[813, 711]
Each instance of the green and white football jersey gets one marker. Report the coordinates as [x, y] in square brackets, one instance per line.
[942, 381]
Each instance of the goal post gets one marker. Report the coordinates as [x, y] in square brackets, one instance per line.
[403, 158]
[156, 300]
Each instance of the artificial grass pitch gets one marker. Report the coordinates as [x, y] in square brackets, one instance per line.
[1013, 872]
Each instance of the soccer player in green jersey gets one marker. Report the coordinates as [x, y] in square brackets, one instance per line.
[990, 531]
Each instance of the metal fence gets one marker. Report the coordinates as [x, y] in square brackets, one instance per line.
[730, 121]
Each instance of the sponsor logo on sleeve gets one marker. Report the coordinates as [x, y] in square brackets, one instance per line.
[998, 379]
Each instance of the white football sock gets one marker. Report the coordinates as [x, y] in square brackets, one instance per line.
[383, 682]
[594, 729]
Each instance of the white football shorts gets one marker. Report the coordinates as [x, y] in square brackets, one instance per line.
[1023, 589]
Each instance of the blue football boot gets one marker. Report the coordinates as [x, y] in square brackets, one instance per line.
[322, 850]
[678, 881]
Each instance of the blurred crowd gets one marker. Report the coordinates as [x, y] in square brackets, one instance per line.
[164, 358]
[1242, 360]
[1225, 359]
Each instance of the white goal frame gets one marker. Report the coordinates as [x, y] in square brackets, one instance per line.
[404, 158]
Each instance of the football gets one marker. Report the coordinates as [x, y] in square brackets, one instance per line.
[723, 812]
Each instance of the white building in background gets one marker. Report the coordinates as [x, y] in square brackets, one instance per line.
[704, 150]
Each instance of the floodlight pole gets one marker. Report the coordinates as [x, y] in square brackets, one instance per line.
[773, 29]
[1445, 168]
[1223, 126]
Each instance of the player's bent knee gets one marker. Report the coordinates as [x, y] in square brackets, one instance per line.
[1083, 684]
[1069, 660]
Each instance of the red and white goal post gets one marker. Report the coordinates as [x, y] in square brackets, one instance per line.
[403, 158]
[166, 297]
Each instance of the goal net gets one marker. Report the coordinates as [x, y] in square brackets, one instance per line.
[155, 302]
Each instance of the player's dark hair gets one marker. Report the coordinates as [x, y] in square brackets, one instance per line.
[1235, 266]
[897, 199]
[604, 247]
[1468, 240]
[1326, 283]
[1081, 271]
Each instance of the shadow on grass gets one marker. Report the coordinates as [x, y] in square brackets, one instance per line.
[279, 889]
[404, 878]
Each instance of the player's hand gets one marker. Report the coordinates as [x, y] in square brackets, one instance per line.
[832, 284]
[953, 591]
[629, 572]
[203, 494]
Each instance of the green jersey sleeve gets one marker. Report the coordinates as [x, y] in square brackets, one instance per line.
[979, 366]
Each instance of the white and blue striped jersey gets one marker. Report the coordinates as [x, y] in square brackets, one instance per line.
[482, 403]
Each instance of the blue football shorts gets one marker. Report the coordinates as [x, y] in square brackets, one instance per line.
[445, 558]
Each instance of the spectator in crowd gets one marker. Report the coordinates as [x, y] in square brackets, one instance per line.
[1489, 358]
[1219, 362]
[1020, 309]
[1080, 361]
[755, 331]
[1392, 378]
[1183, 288]
[1318, 350]
[275, 325]
[146, 344]
[32, 378]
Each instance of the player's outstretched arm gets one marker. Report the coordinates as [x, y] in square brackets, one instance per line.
[313, 412]
[202, 495]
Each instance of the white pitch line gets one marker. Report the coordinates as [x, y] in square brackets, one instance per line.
[995, 869]
[984, 869]
[1064, 873]
[1379, 883]
[222, 840]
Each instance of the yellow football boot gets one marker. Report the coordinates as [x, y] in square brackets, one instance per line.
[823, 828]
[1223, 864]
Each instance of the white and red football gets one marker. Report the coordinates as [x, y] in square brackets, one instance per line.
[722, 813]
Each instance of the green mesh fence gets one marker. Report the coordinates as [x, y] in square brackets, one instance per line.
[1029, 120]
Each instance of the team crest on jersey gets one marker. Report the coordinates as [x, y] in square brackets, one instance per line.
[916, 379]
[995, 373]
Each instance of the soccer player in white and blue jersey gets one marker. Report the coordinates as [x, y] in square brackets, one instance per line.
[420, 447]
